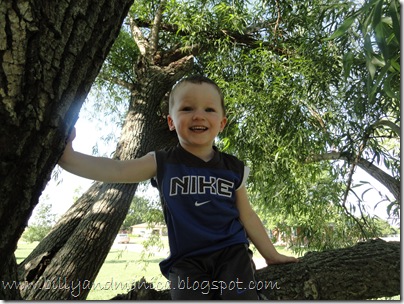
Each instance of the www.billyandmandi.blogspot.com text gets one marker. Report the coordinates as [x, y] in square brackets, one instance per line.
[75, 288]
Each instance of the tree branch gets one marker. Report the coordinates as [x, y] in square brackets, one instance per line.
[387, 180]
[122, 83]
[137, 34]
[354, 273]
[154, 33]
[245, 38]
[388, 123]
[278, 20]
[365, 271]
[167, 57]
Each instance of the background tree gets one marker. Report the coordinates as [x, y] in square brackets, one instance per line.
[42, 223]
[138, 212]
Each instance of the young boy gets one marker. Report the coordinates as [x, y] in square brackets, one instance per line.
[204, 198]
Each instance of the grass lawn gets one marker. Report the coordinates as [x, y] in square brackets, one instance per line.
[123, 267]
[120, 270]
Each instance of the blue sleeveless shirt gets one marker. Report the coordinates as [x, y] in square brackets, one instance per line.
[198, 200]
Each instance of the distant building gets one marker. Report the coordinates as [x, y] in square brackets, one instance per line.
[146, 229]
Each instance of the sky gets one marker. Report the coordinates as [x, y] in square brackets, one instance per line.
[62, 191]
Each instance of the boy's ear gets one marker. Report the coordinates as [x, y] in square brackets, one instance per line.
[170, 122]
[223, 123]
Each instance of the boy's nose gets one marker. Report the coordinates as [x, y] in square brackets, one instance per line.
[198, 114]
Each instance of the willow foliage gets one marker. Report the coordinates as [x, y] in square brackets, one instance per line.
[300, 79]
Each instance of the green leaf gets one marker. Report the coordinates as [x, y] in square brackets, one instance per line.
[377, 13]
[387, 87]
[395, 16]
[342, 29]
[381, 39]
[347, 62]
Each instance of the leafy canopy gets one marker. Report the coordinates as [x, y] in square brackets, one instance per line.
[300, 79]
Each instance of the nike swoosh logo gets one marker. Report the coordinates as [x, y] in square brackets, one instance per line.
[202, 203]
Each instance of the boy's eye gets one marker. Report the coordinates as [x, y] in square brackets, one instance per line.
[210, 110]
[186, 109]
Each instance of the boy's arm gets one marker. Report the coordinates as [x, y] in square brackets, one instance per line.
[107, 169]
[256, 231]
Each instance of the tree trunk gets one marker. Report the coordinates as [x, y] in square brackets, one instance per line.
[9, 277]
[50, 54]
[76, 248]
[72, 254]
[365, 271]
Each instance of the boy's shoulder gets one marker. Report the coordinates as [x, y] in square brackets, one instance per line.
[231, 161]
[167, 152]
[229, 156]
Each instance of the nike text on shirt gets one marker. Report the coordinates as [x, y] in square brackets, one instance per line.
[200, 185]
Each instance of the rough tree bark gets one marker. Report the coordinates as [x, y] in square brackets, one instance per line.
[82, 238]
[365, 271]
[76, 248]
[50, 54]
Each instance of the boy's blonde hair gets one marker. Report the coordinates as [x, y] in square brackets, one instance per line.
[197, 79]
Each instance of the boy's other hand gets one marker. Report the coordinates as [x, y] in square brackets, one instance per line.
[281, 259]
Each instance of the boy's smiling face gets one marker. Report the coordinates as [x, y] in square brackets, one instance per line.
[197, 115]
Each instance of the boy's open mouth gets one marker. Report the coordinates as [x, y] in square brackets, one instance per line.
[198, 128]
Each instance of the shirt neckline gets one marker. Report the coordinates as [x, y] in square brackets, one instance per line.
[193, 158]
